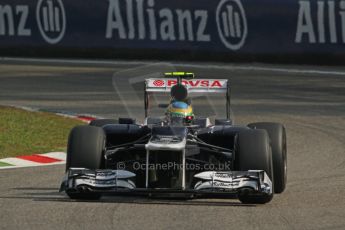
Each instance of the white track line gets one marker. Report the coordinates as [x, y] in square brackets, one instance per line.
[19, 162]
[25, 166]
[224, 66]
[56, 155]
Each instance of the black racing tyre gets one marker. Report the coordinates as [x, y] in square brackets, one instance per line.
[85, 150]
[85, 147]
[277, 136]
[102, 122]
[254, 153]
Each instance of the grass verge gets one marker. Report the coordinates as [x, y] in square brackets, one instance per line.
[23, 132]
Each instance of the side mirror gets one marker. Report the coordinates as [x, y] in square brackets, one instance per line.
[127, 121]
[163, 106]
[223, 122]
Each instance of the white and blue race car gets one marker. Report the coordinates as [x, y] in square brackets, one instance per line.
[177, 154]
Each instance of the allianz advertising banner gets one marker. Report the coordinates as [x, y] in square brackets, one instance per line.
[220, 26]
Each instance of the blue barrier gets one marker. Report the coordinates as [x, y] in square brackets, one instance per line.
[213, 27]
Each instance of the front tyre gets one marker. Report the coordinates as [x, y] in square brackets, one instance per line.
[254, 153]
[85, 149]
[277, 136]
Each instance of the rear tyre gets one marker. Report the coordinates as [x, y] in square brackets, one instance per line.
[102, 122]
[254, 153]
[85, 149]
[277, 136]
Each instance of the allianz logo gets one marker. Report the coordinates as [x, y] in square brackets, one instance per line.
[50, 19]
[321, 21]
[141, 19]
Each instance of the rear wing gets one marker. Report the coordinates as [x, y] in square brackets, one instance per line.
[193, 85]
[204, 86]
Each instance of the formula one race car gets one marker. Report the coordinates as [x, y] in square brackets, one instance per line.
[177, 154]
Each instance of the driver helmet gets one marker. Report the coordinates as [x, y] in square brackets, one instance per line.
[180, 113]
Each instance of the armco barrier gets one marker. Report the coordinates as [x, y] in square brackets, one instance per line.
[246, 30]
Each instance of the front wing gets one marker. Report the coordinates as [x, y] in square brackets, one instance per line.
[105, 181]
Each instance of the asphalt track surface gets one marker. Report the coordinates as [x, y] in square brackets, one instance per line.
[309, 100]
